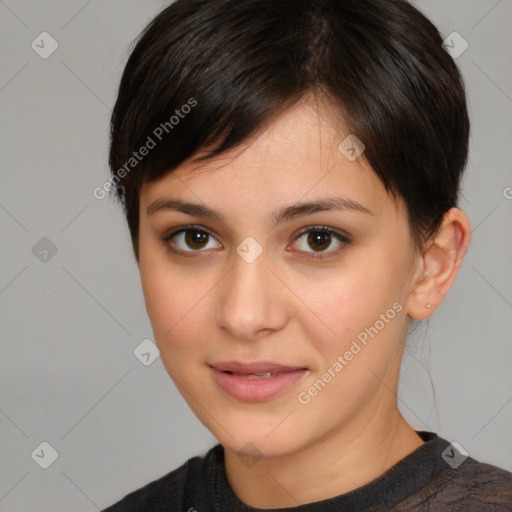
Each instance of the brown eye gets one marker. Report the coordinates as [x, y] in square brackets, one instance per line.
[320, 240]
[195, 239]
[189, 240]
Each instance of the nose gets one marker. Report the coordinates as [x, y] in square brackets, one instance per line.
[251, 301]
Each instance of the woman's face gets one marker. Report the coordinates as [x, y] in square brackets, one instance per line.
[264, 277]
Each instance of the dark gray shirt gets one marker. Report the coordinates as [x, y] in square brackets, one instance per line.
[433, 478]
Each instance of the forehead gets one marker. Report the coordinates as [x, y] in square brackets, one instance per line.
[296, 158]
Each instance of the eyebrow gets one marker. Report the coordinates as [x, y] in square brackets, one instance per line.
[283, 214]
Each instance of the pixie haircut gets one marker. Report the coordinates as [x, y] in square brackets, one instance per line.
[211, 74]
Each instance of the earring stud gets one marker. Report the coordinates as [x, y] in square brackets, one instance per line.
[429, 306]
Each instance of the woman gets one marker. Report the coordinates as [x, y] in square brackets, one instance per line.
[290, 173]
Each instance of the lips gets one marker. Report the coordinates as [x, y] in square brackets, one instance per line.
[255, 382]
[258, 369]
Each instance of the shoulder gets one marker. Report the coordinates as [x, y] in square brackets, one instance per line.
[474, 486]
[156, 496]
[487, 476]
[484, 482]
[165, 493]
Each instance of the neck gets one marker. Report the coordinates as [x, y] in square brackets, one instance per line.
[339, 462]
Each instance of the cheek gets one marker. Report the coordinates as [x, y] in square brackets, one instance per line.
[176, 309]
[367, 318]
[344, 304]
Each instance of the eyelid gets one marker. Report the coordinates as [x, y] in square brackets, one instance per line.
[179, 229]
[324, 229]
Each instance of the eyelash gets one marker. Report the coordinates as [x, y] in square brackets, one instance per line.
[342, 238]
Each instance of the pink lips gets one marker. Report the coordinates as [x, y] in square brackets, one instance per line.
[255, 381]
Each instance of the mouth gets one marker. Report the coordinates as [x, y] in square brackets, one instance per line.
[265, 375]
[254, 382]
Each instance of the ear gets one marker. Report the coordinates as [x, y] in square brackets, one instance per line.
[439, 264]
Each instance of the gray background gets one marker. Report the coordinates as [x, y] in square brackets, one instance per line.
[70, 324]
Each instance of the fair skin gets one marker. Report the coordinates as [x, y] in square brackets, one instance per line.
[290, 308]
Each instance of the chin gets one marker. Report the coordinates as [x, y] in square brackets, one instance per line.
[251, 441]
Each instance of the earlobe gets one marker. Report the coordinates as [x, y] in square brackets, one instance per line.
[439, 264]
